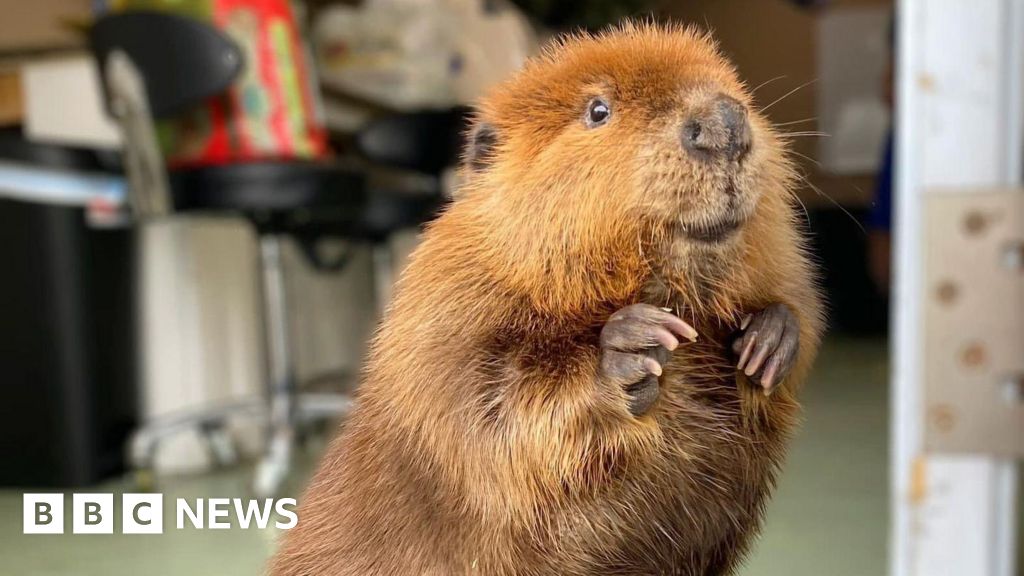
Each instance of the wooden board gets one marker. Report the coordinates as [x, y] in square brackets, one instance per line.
[12, 106]
[974, 322]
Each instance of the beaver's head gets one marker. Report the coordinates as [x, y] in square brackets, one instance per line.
[634, 150]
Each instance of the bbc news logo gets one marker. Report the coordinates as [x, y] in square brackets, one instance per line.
[144, 513]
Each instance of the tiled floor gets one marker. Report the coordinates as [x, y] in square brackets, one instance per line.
[830, 509]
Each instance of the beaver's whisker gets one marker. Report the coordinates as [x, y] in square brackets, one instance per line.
[801, 134]
[806, 157]
[833, 201]
[788, 94]
[766, 82]
[807, 215]
[818, 164]
[801, 121]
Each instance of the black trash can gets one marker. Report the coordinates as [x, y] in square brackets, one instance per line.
[67, 345]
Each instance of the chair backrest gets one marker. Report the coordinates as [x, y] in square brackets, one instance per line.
[182, 61]
[427, 142]
[157, 65]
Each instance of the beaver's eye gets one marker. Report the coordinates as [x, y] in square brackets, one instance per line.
[598, 113]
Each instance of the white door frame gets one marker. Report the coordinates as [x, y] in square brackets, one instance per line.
[959, 125]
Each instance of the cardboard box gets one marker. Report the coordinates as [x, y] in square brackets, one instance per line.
[51, 116]
[42, 25]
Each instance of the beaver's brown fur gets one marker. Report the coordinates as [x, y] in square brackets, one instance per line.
[485, 439]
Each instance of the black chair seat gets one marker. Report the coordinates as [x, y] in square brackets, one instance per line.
[389, 211]
[302, 198]
[289, 195]
[426, 142]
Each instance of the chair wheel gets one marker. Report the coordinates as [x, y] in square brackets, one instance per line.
[273, 468]
[270, 475]
[222, 446]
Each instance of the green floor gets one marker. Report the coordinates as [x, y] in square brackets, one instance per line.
[830, 508]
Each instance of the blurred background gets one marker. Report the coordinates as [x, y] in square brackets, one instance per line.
[204, 203]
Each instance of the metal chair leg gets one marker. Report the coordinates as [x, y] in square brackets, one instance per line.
[276, 463]
[283, 409]
[288, 409]
[209, 421]
[222, 445]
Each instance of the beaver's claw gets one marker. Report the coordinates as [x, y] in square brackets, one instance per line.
[767, 345]
[635, 344]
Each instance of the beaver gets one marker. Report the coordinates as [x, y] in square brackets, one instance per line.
[590, 364]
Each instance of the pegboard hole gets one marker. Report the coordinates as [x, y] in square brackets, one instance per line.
[975, 223]
[974, 355]
[1013, 389]
[1013, 256]
[947, 292]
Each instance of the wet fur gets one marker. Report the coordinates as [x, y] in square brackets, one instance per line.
[483, 442]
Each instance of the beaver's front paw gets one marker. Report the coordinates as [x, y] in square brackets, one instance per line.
[767, 346]
[635, 344]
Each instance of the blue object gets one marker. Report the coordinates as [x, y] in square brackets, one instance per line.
[880, 214]
[63, 187]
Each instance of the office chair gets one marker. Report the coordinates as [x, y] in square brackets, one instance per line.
[426, 143]
[156, 65]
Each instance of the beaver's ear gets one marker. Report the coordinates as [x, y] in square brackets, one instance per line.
[480, 146]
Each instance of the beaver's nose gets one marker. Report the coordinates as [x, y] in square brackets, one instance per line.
[721, 128]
